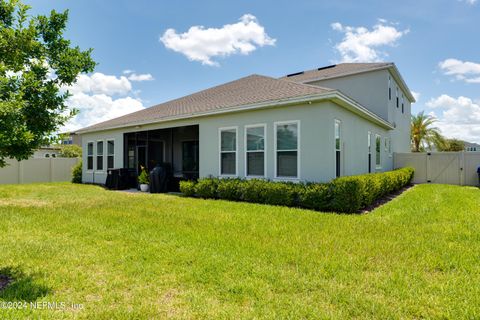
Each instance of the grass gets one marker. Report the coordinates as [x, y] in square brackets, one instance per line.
[157, 256]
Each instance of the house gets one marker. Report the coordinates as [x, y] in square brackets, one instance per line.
[471, 146]
[46, 152]
[68, 138]
[314, 125]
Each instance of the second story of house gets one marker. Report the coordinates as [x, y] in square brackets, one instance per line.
[377, 86]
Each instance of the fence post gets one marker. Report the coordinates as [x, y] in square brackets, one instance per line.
[20, 172]
[50, 178]
[428, 169]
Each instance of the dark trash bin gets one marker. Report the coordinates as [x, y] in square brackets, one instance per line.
[159, 177]
[478, 173]
[117, 179]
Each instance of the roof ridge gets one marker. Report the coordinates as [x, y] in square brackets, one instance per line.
[306, 84]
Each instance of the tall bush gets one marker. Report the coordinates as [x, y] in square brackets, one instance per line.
[77, 172]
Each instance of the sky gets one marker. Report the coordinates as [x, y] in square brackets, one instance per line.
[149, 52]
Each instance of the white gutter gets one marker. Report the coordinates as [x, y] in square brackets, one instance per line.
[335, 96]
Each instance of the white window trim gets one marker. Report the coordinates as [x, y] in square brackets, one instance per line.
[93, 157]
[335, 147]
[369, 150]
[249, 126]
[389, 92]
[220, 152]
[378, 166]
[96, 156]
[114, 147]
[275, 124]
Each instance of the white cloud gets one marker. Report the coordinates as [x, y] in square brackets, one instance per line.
[95, 98]
[99, 83]
[140, 77]
[471, 2]
[132, 76]
[458, 117]
[202, 44]
[416, 95]
[360, 44]
[462, 70]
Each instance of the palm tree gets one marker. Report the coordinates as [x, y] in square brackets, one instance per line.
[423, 134]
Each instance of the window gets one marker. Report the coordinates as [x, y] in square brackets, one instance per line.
[386, 144]
[378, 149]
[54, 155]
[90, 156]
[338, 146]
[369, 143]
[255, 150]
[403, 104]
[110, 154]
[99, 155]
[389, 88]
[397, 97]
[286, 146]
[228, 151]
[47, 155]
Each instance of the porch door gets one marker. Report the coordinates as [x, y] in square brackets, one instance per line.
[190, 161]
[141, 158]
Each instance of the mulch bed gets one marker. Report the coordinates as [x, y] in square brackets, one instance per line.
[384, 200]
[4, 281]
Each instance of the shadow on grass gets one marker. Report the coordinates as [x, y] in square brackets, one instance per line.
[18, 286]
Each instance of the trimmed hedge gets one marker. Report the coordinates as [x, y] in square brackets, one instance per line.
[344, 194]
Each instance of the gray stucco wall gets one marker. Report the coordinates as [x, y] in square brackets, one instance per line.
[317, 150]
[370, 89]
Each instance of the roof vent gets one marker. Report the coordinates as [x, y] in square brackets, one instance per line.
[294, 74]
[327, 67]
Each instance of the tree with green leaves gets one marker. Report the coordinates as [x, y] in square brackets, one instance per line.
[423, 134]
[453, 145]
[70, 151]
[36, 63]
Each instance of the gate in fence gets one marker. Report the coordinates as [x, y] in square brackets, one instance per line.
[459, 168]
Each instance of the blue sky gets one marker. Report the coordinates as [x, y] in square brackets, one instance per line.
[434, 44]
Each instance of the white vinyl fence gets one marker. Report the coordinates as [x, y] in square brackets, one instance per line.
[37, 170]
[458, 168]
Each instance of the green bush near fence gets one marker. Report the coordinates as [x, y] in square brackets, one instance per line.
[345, 194]
[77, 172]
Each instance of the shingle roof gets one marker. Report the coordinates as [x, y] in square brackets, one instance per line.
[242, 92]
[333, 71]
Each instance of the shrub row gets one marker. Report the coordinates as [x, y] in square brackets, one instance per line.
[344, 194]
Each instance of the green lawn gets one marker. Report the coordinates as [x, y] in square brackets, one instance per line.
[155, 256]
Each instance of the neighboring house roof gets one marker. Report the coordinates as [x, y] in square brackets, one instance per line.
[254, 91]
[348, 69]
